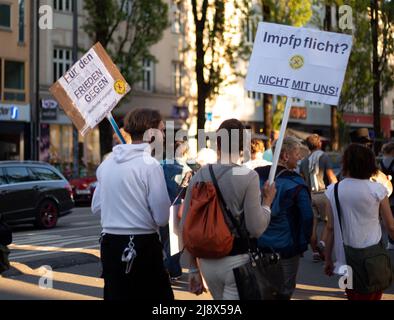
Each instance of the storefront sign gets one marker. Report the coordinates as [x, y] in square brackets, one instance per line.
[10, 112]
[49, 110]
[299, 63]
[90, 89]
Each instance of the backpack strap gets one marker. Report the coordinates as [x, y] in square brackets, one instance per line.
[226, 210]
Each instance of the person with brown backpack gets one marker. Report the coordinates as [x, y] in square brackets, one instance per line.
[220, 196]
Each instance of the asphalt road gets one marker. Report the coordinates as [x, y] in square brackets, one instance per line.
[70, 243]
[72, 252]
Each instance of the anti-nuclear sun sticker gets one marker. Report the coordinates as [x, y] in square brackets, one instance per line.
[120, 87]
[296, 62]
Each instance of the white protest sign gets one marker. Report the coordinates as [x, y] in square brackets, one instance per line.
[299, 63]
[90, 89]
[175, 232]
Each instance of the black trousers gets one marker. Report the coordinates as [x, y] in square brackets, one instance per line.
[147, 280]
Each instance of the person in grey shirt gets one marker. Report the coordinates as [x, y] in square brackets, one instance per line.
[241, 192]
[316, 169]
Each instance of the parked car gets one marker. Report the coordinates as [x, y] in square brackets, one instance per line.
[81, 189]
[33, 192]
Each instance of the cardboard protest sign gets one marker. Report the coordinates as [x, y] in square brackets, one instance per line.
[90, 89]
[299, 63]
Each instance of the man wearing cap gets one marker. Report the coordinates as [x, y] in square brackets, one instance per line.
[361, 136]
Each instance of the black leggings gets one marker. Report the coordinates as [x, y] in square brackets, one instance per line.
[147, 280]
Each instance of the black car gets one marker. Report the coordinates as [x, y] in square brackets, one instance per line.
[33, 192]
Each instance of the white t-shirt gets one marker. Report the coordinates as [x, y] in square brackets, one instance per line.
[253, 164]
[359, 201]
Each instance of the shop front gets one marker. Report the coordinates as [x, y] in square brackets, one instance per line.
[56, 142]
[14, 132]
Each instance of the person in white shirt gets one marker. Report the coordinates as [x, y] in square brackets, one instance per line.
[257, 151]
[362, 204]
[132, 200]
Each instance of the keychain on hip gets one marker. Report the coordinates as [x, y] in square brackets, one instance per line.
[129, 255]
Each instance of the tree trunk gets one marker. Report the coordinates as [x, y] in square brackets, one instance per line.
[375, 72]
[267, 109]
[202, 87]
[334, 130]
[267, 98]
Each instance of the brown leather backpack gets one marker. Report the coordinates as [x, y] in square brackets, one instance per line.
[205, 232]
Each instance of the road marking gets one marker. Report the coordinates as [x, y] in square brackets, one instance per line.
[42, 248]
[58, 230]
[37, 240]
[57, 250]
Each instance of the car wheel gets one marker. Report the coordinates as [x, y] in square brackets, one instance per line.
[47, 215]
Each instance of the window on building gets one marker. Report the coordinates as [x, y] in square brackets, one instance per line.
[257, 96]
[176, 24]
[21, 21]
[62, 61]
[177, 72]
[5, 15]
[14, 81]
[63, 5]
[148, 75]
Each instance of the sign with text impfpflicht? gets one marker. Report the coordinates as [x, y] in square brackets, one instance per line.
[90, 89]
[299, 63]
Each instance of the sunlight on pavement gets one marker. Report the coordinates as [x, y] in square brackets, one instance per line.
[61, 276]
[16, 287]
[94, 252]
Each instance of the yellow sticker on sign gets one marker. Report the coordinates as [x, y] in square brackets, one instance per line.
[120, 87]
[296, 62]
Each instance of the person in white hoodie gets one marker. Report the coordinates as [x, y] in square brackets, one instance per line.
[132, 199]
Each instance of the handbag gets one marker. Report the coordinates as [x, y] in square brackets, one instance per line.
[371, 266]
[5, 232]
[261, 278]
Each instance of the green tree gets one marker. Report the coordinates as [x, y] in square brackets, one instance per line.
[382, 29]
[213, 50]
[291, 12]
[369, 72]
[126, 29]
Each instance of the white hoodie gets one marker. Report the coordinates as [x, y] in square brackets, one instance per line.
[131, 194]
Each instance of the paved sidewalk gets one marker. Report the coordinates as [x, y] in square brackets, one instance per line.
[83, 282]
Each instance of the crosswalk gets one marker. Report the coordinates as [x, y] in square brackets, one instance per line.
[35, 244]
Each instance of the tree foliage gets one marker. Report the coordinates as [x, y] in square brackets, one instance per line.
[126, 29]
[215, 49]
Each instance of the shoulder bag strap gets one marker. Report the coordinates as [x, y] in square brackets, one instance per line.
[338, 205]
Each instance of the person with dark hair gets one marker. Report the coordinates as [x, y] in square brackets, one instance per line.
[316, 169]
[132, 199]
[362, 203]
[177, 175]
[290, 229]
[361, 136]
[242, 195]
[387, 167]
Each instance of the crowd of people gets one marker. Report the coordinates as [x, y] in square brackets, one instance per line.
[135, 192]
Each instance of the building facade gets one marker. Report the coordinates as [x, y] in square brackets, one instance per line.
[15, 110]
[159, 89]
